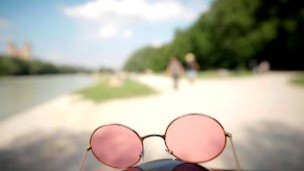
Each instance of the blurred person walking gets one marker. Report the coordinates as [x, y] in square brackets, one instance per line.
[264, 67]
[175, 70]
[191, 67]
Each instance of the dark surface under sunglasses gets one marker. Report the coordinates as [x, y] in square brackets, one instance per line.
[172, 165]
[192, 138]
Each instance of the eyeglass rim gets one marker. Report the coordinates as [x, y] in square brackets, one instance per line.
[121, 125]
[197, 114]
[163, 136]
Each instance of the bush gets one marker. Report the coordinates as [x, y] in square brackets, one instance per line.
[16, 66]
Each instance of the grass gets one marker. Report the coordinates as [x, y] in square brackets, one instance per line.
[218, 74]
[103, 90]
[299, 79]
[223, 74]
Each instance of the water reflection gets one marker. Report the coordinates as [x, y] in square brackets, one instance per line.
[20, 93]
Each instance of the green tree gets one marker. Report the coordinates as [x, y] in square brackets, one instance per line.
[16, 66]
[232, 34]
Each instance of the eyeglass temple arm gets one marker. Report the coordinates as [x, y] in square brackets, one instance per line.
[229, 135]
[84, 157]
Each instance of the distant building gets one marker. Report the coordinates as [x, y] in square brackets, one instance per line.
[12, 50]
[23, 53]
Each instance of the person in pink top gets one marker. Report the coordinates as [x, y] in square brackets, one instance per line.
[175, 70]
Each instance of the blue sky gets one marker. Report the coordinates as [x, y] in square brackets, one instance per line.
[93, 33]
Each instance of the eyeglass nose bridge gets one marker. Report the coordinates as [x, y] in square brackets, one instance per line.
[161, 136]
[153, 135]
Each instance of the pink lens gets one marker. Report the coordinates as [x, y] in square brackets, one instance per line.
[116, 146]
[195, 138]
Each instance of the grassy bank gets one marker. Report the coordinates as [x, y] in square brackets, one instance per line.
[217, 74]
[223, 74]
[299, 79]
[105, 89]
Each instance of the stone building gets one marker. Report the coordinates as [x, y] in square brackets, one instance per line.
[22, 53]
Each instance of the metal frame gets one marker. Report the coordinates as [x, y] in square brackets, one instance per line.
[226, 134]
[142, 145]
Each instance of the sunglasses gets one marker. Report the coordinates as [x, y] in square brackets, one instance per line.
[191, 138]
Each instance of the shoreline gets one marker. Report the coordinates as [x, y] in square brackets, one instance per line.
[23, 93]
[247, 108]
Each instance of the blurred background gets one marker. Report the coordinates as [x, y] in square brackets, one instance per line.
[67, 67]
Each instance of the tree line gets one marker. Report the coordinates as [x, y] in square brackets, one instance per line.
[17, 66]
[235, 34]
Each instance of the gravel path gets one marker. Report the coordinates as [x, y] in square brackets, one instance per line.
[265, 114]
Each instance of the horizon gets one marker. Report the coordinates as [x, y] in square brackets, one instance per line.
[95, 33]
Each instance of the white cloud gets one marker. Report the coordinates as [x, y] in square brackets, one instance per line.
[3, 23]
[113, 16]
[111, 31]
[108, 31]
[127, 33]
[131, 10]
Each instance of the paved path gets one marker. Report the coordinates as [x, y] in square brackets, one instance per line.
[265, 114]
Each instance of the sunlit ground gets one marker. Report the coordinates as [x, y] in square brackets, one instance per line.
[263, 112]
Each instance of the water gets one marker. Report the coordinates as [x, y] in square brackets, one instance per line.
[20, 93]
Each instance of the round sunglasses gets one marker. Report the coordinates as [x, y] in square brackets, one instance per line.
[191, 138]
